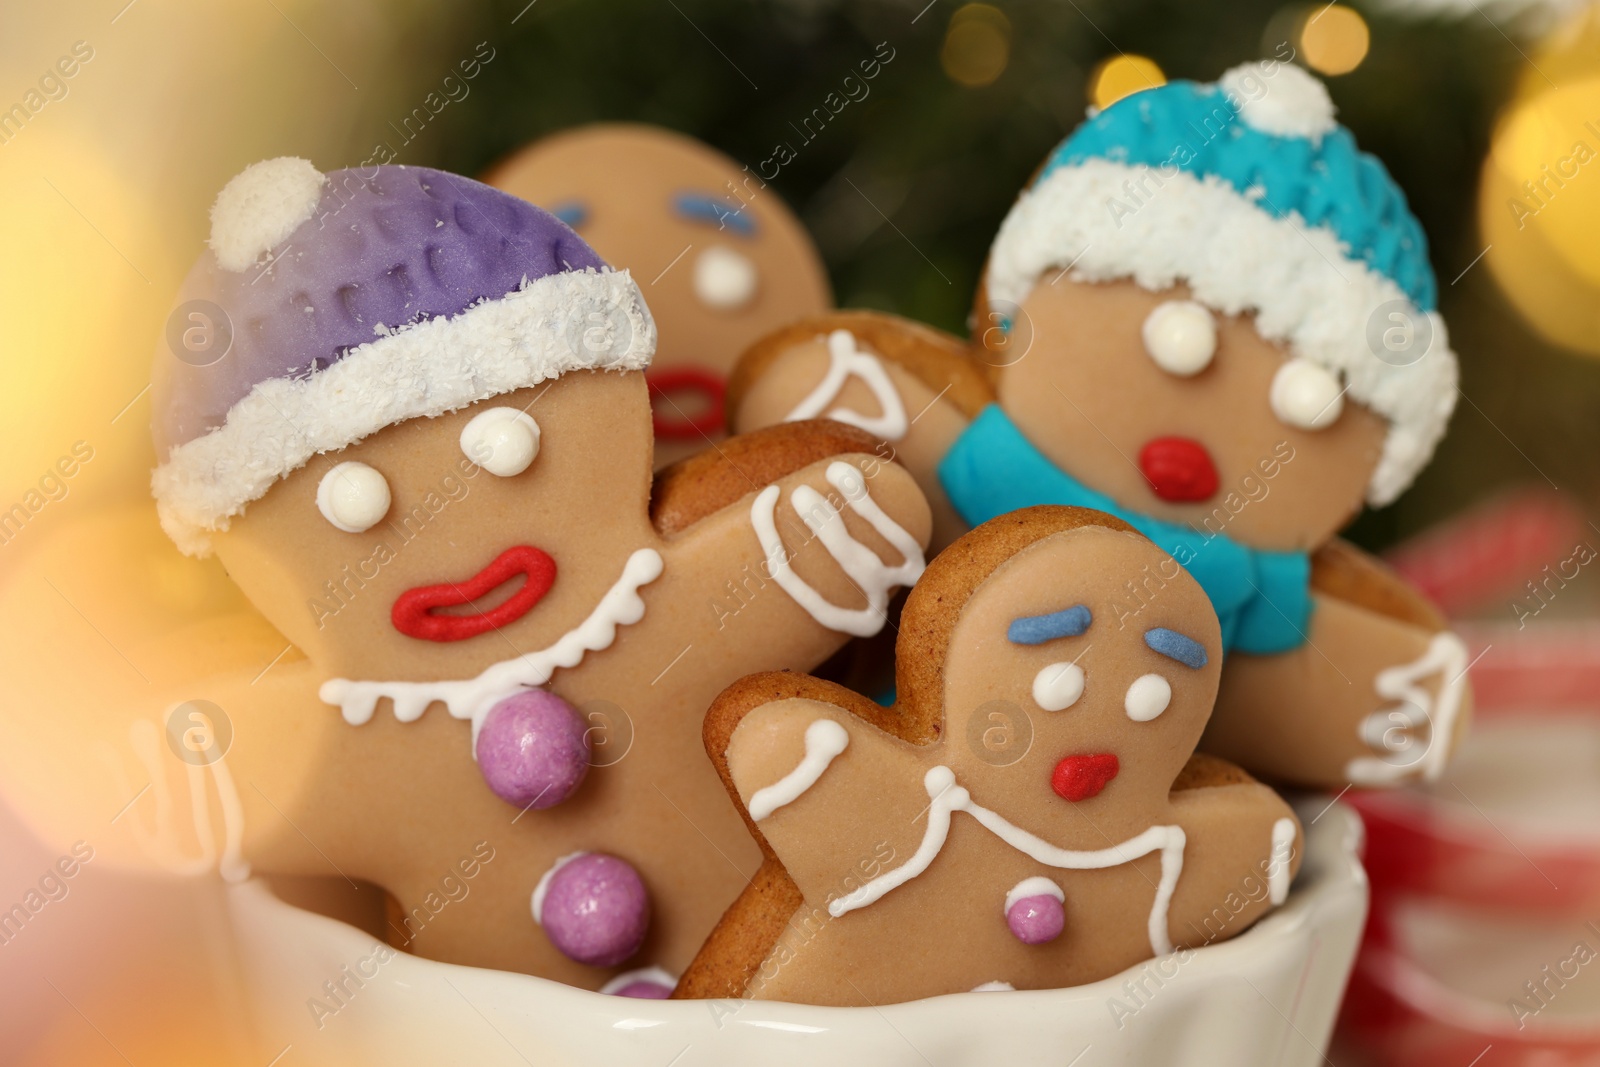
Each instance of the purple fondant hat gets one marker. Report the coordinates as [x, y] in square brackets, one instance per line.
[351, 301]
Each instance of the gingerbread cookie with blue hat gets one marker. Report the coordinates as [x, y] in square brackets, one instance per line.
[425, 457]
[723, 258]
[1030, 814]
[1212, 315]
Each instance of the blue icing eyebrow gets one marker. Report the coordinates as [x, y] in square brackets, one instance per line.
[699, 207]
[572, 212]
[1037, 629]
[1173, 645]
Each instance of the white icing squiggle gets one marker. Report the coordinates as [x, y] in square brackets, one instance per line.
[995, 987]
[1446, 657]
[825, 739]
[845, 359]
[1037, 886]
[145, 738]
[1278, 866]
[471, 698]
[871, 576]
[947, 798]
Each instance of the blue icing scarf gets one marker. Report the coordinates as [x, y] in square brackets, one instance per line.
[1262, 598]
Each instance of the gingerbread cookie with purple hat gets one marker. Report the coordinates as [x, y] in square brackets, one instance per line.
[1212, 315]
[1030, 814]
[425, 457]
[721, 257]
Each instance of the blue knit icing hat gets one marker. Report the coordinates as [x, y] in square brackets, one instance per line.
[1250, 192]
[359, 299]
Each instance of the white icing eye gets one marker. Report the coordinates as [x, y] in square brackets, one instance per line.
[1306, 395]
[503, 441]
[1147, 697]
[1058, 686]
[1181, 336]
[353, 497]
[724, 279]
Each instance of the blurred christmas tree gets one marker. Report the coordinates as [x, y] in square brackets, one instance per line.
[903, 179]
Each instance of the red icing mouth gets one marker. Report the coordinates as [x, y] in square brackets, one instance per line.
[1081, 777]
[413, 612]
[671, 424]
[1179, 469]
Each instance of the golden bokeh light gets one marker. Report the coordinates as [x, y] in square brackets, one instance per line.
[1539, 198]
[1334, 40]
[977, 45]
[1122, 76]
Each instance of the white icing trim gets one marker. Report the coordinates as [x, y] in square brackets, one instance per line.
[946, 798]
[657, 975]
[1283, 832]
[1447, 657]
[995, 987]
[144, 737]
[1037, 886]
[417, 371]
[825, 739]
[869, 573]
[472, 698]
[845, 358]
[1285, 100]
[260, 207]
[1306, 291]
[539, 891]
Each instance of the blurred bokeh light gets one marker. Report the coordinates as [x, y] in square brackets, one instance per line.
[1121, 76]
[1334, 40]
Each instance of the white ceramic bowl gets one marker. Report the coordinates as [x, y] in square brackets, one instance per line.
[1268, 997]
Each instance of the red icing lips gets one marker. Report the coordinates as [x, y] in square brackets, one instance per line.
[1081, 777]
[668, 418]
[413, 612]
[1179, 469]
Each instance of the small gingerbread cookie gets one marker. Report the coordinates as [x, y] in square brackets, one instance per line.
[1211, 315]
[426, 460]
[724, 258]
[1029, 815]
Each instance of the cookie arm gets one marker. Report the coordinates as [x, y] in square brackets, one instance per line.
[831, 799]
[1384, 694]
[914, 388]
[798, 565]
[1380, 701]
[1243, 849]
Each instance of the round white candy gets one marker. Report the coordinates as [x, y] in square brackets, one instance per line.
[1306, 395]
[1147, 697]
[353, 497]
[1058, 686]
[503, 441]
[724, 279]
[1181, 336]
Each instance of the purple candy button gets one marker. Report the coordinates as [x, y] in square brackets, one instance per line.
[1036, 920]
[594, 908]
[533, 749]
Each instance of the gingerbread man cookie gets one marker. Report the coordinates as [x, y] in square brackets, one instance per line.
[426, 460]
[1029, 815]
[1213, 316]
[721, 257]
